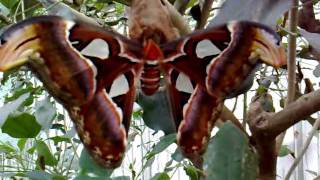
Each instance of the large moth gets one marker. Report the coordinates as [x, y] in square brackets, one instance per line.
[98, 87]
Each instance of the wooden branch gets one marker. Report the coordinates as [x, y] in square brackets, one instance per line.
[272, 124]
[265, 126]
[55, 7]
[264, 145]
[205, 12]
[291, 62]
[5, 19]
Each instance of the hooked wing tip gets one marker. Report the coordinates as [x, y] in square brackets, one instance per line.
[265, 42]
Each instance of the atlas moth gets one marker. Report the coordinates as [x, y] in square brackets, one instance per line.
[93, 72]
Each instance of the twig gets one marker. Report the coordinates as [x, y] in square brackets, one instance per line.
[293, 22]
[244, 116]
[275, 123]
[205, 12]
[304, 149]
[4, 19]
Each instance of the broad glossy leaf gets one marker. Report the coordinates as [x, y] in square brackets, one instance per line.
[22, 125]
[177, 155]
[153, 106]
[191, 171]
[229, 157]
[44, 151]
[88, 166]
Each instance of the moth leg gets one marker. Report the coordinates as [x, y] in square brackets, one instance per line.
[199, 116]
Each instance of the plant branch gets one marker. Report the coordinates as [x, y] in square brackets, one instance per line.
[205, 12]
[264, 145]
[272, 124]
[304, 149]
[291, 62]
[5, 19]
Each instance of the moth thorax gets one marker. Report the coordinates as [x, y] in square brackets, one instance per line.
[150, 79]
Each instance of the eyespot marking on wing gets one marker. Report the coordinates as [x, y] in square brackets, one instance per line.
[97, 48]
[184, 84]
[119, 86]
[206, 48]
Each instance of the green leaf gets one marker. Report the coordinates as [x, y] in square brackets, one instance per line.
[153, 106]
[31, 150]
[149, 162]
[88, 166]
[57, 139]
[9, 3]
[60, 117]
[164, 142]
[45, 113]
[8, 108]
[261, 90]
[58, 127]
[161, 176]
[229, 157]
[44, 151]
[29, 89]
[22, 125]
[191, 171]
[177, 155]
[22, 143]
[284, 150]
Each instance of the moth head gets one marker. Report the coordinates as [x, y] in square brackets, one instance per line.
[266, 47]
[151, 51]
